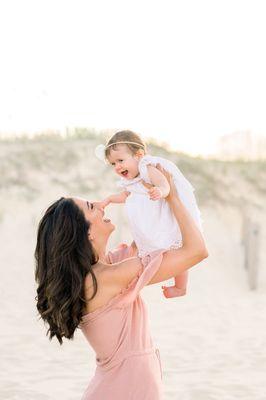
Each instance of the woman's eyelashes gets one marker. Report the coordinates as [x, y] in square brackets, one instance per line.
[89, 205]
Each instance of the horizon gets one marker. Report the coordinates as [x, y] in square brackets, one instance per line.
[236, 145]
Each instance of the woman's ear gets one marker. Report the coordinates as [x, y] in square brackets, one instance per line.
[90, 237]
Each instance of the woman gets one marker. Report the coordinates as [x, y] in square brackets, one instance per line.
[80, 286]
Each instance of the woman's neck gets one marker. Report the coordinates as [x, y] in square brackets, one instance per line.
[102, 257]
[100, 249]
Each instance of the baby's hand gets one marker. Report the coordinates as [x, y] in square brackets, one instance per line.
[155, 193]
[101, 204]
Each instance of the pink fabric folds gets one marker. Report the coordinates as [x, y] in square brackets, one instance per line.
[127, 364]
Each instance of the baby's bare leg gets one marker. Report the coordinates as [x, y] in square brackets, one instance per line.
[179, 288]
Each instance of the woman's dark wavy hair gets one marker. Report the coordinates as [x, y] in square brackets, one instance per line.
[64, 256]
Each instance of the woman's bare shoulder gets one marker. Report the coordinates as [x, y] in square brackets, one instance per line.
[105, 289]
[111, 279]
[124, 271]
[116, 272]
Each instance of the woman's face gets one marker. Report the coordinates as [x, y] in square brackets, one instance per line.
[95, 215]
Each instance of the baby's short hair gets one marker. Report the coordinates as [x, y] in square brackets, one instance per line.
[125, 136]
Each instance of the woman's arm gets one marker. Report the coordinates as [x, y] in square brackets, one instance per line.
[193, 250]
[174, 262]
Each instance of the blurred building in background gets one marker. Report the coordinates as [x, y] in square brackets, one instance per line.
[244, 145]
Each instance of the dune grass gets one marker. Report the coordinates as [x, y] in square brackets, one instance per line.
[68, 161]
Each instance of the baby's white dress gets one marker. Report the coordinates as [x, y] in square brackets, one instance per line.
[152, 223]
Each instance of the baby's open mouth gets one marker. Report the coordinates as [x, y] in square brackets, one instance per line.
[124, 173]
[106, 220]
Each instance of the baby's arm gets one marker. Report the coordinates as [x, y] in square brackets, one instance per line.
[162, 188]
[114, 198]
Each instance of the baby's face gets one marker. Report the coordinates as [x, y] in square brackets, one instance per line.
[125, 164]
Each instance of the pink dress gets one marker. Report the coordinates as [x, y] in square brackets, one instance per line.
[128, 365]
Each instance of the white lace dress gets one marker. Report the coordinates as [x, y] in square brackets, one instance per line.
[152, 223]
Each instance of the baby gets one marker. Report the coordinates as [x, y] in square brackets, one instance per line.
[151, 221]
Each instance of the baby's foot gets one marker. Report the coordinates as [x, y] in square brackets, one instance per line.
[172, 291]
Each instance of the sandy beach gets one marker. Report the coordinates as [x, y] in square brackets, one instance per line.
[212, 341]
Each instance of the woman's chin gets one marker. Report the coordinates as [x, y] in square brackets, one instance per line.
[112, 227]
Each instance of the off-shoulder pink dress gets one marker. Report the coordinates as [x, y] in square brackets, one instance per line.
[128, 365]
